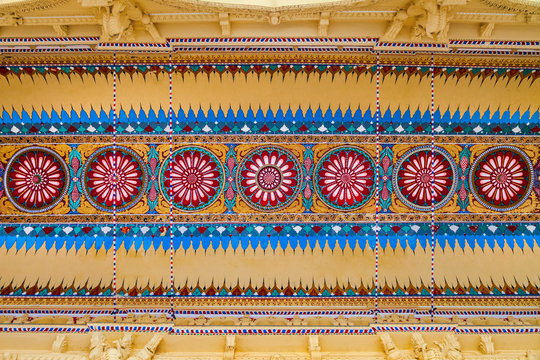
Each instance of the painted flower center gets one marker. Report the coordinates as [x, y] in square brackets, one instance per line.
[423, 177]
[114, 179]
[346, 178]
[192, 179]
[36, 179]
[501, 177]
[269, 178]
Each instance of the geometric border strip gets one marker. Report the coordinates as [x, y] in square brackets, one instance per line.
[270, 330]
[248, 302]
[265, 236]
[390, 139]
[58, 44]
[314, 121]
[277, 313]
[255, 218]
[264, 229]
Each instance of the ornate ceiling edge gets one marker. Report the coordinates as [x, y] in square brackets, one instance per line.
[273, 138]
[270, 303]
[514, 5]
[67, 52]
[29, 5]
[270, 218]
[256, 9]
[270, 330]
[268, 316]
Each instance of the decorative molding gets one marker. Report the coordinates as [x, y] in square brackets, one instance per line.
[528, 6]
[29, 5]
[119, 17]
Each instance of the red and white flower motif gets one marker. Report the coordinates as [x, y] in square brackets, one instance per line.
[414, 179]
[195, 180]
[346, 178]
[502, 178]
[269, 178]
[114, 178]
[36, 179]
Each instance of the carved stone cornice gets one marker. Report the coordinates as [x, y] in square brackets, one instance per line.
[255, 9]
[30, 5]
[297, 57]
[268, 303]
[527, 6]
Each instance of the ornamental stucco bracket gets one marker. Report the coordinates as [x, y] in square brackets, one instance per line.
[429, 19]
[119, 18]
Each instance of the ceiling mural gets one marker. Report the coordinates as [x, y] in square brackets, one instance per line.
[269, 167]
[343, 179]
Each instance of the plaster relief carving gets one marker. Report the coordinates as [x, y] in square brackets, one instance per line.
[60, 30]
[224, 23]
[430, 18]
[324, 22]
[100, 349]
[274, 18]
[486, 346]
[149, 349]
[314, 348]
[395, 27]
[223, 321]
[230, 347]
[399, 318]
[8, 356]
[449, 349]
[60, 344]
[11, 19]
[390, 349]
[118, 18]
[486, 30]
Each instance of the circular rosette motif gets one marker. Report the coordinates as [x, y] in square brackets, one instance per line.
[114, 178]
[269, 178]
[345, 178]
[194, 178]
[422, 180]
[36, 179]
[501, 178]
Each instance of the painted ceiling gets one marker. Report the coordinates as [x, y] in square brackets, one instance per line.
[302, 169]
[284, 181]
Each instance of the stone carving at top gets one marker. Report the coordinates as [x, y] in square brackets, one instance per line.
[314, 348]
[100, 349]
[149, 349]
[449, 349]
[60, 344]
[486, 346]
[390, 349]
[119, 17]
[431, 19]
[230, 347]
[11, 19]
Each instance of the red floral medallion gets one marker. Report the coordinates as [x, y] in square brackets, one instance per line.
[269, 178]
[501, 178]
[36, 179]
[345, 178]
[194, 178]
[422, 180]
[114, 179]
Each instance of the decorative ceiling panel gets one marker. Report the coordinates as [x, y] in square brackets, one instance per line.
[284, 180]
